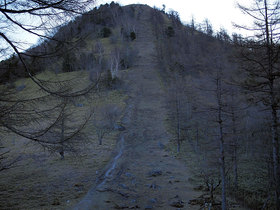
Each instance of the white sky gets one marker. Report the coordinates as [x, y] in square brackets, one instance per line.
[221, 13]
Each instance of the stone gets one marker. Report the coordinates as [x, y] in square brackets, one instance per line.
[117, 206]
[119, 127]
[133, 181]
[128, 174]
[79, 105]
[20, 88]
[178, 203]
[134, 207]
[56, 202]
[196, 202]
[123, 186]
[126, 195]
[153, 200]
[161, 145]
[154, 186]
[155, 173]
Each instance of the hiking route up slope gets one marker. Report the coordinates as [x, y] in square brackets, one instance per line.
[143, 174]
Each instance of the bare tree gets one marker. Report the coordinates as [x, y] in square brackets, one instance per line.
[207, 27]
[220, 121]
[99, 50]
[180, 108]
[68, 132]
[35, 17]
[115, 62]
[39, 117]
[105, 119]
[216, 87]
[6, 162]
[261, 64]
[128, 23]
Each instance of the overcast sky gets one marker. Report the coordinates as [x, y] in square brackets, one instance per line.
[221, 13]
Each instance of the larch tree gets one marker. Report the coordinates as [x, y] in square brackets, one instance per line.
[260, 60]
[39, 116]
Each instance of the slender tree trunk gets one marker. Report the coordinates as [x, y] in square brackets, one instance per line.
[100, 58]
[265, 14]
[178, 123]
[275, 121]
[235, 169]
[100, 139]
[222, 162]
[61, 149]
[197, 136]
[274, 130]
[221, 140]
[275, 155]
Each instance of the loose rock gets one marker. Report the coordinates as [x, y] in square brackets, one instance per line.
[56, 202]
[117, 206]
[154, 186]
[119, 127]
[177, 204]
[155, 173]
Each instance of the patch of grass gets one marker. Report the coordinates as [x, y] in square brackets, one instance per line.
[41, 180]
[253, 190]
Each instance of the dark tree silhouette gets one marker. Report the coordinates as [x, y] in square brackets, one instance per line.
[261, 64]
[38, 117]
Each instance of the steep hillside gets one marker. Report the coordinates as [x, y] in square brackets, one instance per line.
[146, 176]
[153, 120]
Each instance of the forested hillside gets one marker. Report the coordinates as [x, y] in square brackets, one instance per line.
[218, 126]
[126, 107]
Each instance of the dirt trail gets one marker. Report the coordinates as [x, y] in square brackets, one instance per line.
[145, 176]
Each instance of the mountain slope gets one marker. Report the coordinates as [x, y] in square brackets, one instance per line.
[144, 55]
[146, 175]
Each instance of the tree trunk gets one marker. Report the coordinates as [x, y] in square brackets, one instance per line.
[275, 155]
[178, 123]
[274, 130]
[222, 167]
[235, 168]
[234, 150]
[100, 140]
[196, 142]
[221, 140]
[61, 149]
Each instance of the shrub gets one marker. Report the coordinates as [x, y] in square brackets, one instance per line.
[170, 31]
[105, 32]
[108, 79]
[132, 35]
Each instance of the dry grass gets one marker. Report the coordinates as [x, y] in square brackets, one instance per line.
[40, 180]
[44, 181]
